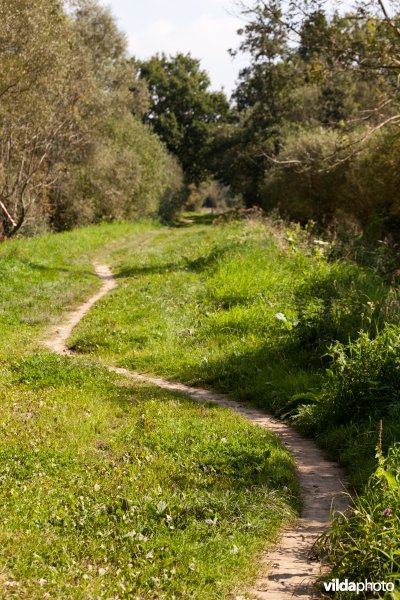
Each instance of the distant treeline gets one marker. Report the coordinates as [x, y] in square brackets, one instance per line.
[316, 133]
[89, 134]
[313, 126]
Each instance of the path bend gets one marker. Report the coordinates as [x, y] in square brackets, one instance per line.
[289, 570]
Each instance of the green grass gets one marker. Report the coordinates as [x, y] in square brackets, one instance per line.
[198, 305]
[42, 277]
[240, 309]
[261, 313]
[112, 489]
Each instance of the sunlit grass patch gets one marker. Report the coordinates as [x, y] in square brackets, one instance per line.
[42, 277]
[109, 488]
[231, 307]
[248, 310]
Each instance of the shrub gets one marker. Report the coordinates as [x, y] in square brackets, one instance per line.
[372, 185]
[301, 187]
[334, 303]
[364, 379]
[326, 175]
[365, 542]
[127, 173]
[173, 199]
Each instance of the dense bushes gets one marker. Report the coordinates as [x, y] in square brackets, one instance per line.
[364, 378]
[301, 187]
[362, 383]
[126, 174]
[315, 127]
[328, 177]
[372, 184]
[72, 151]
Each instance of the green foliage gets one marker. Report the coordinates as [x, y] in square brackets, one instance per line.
[72, 152]
[365, 376]
[362, 383]
[183, 110]
[41, 104]
[303, 189]
[239, 158]
[372, 184]
[212, 195]
[361, 388]
[239, 300]
[127, 174]
[173, 199]
[314, 108]
[364, 543]
[335, 302]
[362, 188]
[256, 309]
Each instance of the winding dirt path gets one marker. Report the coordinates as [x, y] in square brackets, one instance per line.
[57, 342]
[290, 569]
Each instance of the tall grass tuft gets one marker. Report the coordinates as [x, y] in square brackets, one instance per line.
[364, 544]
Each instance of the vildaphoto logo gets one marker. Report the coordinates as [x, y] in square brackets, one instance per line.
[335, 585]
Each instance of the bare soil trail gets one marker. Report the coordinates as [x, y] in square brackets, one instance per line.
[58, 338]
[290, 569]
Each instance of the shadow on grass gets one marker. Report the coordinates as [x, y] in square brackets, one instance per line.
[266, 377]
[46, 268]
[202, 263]
[282, 364]
[206, 218]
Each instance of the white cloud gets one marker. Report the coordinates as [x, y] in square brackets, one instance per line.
[205, 37]
[204, 28]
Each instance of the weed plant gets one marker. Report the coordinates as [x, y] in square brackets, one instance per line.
[364, 544]
[361, 388]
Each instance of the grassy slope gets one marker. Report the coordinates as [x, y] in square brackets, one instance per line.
[199, 304]
[251, 309]
[112, 490]
[236, 308]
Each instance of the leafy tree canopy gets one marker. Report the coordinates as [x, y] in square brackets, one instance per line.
[319, 85]
[71, 151]
[184, 111]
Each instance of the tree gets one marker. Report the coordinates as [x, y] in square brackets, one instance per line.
[184, 112]
[105, 48]
[73, 148]
[343, 53]
[39, 103]
[263, 99]
[311, 71]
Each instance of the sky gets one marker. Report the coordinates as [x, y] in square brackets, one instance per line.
[205, 28]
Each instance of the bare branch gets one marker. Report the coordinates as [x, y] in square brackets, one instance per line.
[13, 223]
[281, 162]
[389, 19]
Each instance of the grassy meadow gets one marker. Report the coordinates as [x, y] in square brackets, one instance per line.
[112, 489]
[263, 312]
[243, 308]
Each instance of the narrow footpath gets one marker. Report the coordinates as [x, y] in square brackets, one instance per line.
[290, 569]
